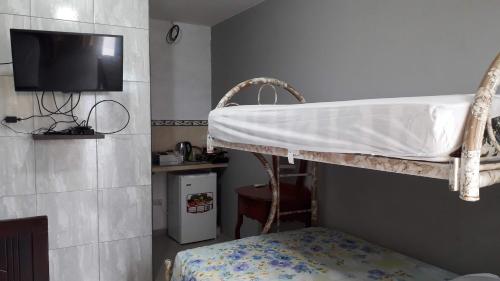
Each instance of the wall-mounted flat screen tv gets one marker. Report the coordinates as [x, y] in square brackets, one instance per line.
[66, 62]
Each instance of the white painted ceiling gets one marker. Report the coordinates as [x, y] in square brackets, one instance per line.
[204, 12]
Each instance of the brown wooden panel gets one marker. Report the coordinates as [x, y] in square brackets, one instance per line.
[26, 255]
[24, 252]
[3, 255]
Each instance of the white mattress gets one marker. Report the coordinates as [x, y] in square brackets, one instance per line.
[421, 128]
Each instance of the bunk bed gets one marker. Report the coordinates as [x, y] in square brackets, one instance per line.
[444, 137]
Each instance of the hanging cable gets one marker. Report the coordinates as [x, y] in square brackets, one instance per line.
[113, 101]
[40, 102]
[58, 109]
[3, 123]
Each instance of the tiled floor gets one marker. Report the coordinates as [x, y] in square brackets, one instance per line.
[165, 247]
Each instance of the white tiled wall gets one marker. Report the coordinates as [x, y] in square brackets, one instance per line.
[120, 166]
[129, 259]
[97, 194]
[135, 97]
[17, 206]
[107, 12]
[124, 213]
[66, 263]
[72, 10]
[61, 25]
[16, 104]
[65, 166]
[72, 217]
[18, 7]
[17, 166]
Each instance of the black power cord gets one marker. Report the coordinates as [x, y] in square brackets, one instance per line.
[75, 119]
[4, 63]
[41, 104]
[112, 101]
[4, 123]
[58, 108]
[13, 119]
[58, 111]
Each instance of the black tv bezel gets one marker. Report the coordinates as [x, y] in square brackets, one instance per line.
[23, 89]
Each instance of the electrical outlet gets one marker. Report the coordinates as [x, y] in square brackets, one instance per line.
[157, 202]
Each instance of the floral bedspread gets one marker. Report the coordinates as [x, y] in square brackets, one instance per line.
[307, 254]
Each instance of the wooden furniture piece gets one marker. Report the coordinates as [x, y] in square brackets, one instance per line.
[24, 249]
[255, 201]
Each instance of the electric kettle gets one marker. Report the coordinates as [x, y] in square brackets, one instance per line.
[184, 148]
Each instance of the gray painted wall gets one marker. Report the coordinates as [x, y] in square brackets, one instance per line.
[180, 73]
[96, 194]
[354, 49]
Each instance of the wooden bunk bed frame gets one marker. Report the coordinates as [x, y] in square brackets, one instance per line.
[465, 172]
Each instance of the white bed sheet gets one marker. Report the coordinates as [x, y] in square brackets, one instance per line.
[420, 128]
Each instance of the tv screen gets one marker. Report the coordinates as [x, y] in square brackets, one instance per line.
[66, 62]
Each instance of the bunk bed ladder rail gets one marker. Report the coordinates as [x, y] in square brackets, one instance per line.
[471, 178]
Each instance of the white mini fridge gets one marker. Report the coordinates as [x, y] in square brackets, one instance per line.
[192, 207]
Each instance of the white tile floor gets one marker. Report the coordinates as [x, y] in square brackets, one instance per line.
[165, 247]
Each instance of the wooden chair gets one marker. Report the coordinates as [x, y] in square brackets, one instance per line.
[254, 201]
[24, 249]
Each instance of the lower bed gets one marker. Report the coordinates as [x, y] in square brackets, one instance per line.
[307, 254]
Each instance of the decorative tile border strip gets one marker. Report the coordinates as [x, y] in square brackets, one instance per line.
[179, 123]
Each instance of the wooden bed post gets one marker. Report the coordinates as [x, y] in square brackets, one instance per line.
[474, 133]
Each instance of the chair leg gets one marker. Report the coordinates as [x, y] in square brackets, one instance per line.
[308, 221]
[314, 191]
[237, 233]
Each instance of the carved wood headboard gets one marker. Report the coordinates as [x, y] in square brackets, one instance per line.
[24, 249]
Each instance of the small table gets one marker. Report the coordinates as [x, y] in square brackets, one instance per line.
[254, 201]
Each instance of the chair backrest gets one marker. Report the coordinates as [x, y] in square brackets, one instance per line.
[302, 169]
[24, 249]
[300, 182]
